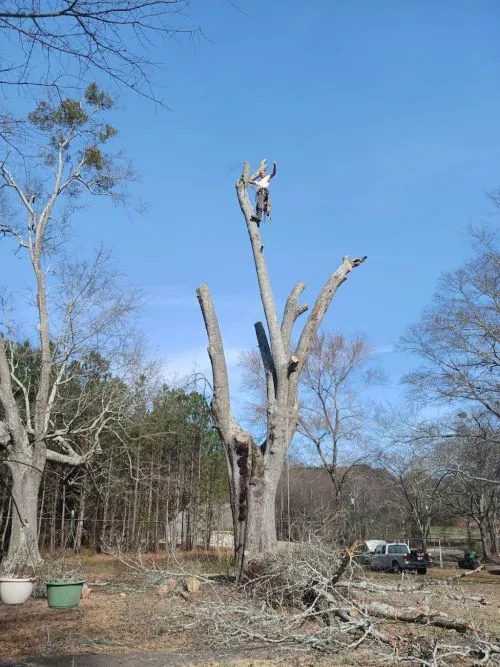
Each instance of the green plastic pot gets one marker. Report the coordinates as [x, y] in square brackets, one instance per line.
[64, 594]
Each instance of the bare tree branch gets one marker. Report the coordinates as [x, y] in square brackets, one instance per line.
[320, 307]
[86, 37]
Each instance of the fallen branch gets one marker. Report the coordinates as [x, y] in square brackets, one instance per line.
[412, 615]
[151, 568]
[480, 653]
[304, 601]
[465, 573]
[372, 587]
[345, 615]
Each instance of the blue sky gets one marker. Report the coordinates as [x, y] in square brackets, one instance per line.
[383, 119]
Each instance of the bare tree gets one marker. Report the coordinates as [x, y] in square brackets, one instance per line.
[76, 310]
[470, 460]
[65, 40]
[458, 339]
[421, 482]
[458, 336]
[332, 415]
[254, 469]
[409, 454]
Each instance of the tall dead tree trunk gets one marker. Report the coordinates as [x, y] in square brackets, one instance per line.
[254, 469]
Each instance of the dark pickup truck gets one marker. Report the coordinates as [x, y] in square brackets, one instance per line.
[422, 556]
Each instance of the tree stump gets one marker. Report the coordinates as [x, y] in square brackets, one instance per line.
[192, 585]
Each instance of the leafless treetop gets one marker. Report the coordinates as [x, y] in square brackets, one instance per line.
[83, 37]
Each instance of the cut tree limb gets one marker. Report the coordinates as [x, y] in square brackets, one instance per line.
[412, 615]
[293, 364]
[221, 403]
[268, 363]
[371, 587]
[322, 303]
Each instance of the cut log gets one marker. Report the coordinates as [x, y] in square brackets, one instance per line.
[192, 585]
[412, 615]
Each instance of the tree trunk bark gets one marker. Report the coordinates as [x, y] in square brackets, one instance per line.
[179, 483]
[135, 526]
[166, 520]
[253, 488]
[190, 529]
[102, 534]
[196, 499]
[40, 514]
[124, 544]
[81, 517]
[261, 539]
[63, 519]
[95, 526]
[492, 530]
[8, 518]
[112, 528]
[150, 504]
[485, 544]
[156, 535]
[55, 489]
[2, 508]
[23, 544]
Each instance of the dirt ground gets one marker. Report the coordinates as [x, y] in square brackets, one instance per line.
[125, 614]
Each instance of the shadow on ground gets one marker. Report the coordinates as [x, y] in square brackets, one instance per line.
[131, 659]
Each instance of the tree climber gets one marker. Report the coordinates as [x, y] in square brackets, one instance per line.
[262, 201]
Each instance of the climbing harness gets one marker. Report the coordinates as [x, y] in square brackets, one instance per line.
[263, 205]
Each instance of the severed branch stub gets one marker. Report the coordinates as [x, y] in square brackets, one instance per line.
[293, 364]
[359, 260]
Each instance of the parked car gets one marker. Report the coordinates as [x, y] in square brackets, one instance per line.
[396, 557]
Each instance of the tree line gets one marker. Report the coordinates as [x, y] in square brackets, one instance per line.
[158, 479]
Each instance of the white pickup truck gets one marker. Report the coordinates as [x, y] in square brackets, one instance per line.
[395, 557]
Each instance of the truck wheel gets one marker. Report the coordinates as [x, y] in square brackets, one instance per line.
[395, 567]
[423, 570]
